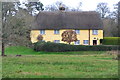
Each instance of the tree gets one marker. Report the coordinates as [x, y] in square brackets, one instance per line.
[78, 7]
[8, 8]
[69, 36]
[114, 13]
[33, 7]
[103, 9]
[55, 6]
[40, 38]
[16, 27]
[110, 27]
[119, 20]
[21, 25]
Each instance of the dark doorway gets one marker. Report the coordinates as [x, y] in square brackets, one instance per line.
[94, 42]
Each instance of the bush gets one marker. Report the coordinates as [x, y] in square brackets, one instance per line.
[111, 41]
[60, 47]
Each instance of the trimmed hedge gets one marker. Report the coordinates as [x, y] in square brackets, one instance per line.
[111, 41]
[59, 47]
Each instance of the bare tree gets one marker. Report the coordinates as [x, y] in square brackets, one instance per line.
[114, 13]
[103, 9]
[55, 6]
[110, 27]
[78, 8]
[69, 36]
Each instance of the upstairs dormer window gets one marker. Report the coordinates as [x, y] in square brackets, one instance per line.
[42, 32]
[77, 31]
[95, 32]
[56, 31]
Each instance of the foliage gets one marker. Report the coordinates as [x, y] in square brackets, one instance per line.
[8, 9]
[74, 65]
[40, 38]
[69, 36]
[22, 50]
[32, 7]
[16, 26]
[60, 47]
[110, 28]
[111, 41]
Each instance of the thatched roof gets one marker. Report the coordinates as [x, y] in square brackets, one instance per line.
[68, 20]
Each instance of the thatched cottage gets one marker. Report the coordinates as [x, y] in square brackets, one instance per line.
[88, 26]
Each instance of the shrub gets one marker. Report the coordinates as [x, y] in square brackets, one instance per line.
[111, 41]
[60, 47]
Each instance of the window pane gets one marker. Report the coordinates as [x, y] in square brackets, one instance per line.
[85, 41]
[42, 31]
[95, 32]
[56, 31]
[77, 42]
[77, 31]
[56, 41]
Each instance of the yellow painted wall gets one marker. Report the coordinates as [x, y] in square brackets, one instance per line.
[50, 36]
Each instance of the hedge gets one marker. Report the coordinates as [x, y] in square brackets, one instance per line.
[111, 41]
[59, 47]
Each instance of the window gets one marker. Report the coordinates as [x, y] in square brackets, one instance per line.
[77, 42]
[56, 31]
[56, 41]
[43, 40]
[77, 31]
[95, 32]
[85, 41]
[42, 31]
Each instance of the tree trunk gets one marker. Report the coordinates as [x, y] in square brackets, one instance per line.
[3, 50]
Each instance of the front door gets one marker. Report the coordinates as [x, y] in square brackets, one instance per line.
[94, 42]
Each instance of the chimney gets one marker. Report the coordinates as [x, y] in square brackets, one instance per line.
[61, 8]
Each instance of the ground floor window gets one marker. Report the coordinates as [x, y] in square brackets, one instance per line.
[85, 41]
[43, 40]
[77, 42]
[56, 41]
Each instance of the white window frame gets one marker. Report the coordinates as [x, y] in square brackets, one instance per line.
[84, 42]
[77, 31]
[77, 42]
[42, 32]
[56, 32]
[56, 41]
[95, 32]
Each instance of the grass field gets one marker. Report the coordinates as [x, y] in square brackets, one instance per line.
[83, 64]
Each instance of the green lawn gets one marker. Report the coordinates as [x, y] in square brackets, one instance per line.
[83, 64]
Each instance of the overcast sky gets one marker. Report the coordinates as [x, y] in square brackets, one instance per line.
[87, 5]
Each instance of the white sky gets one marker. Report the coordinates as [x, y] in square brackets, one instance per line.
[87, 5]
